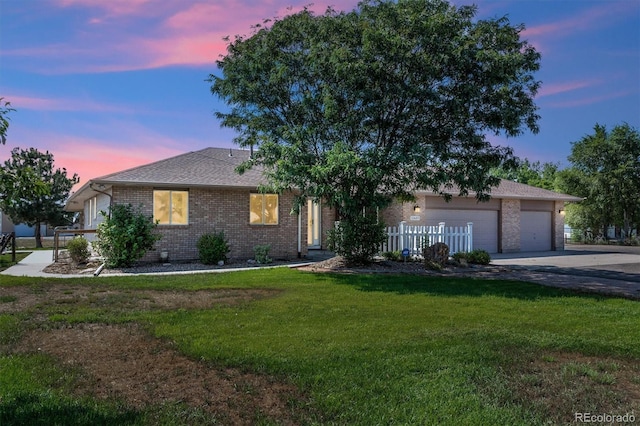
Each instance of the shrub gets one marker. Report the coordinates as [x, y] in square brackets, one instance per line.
[479, 257]
[459, 256]
[358, 239]
[213, 248]
[78, 249]
[261, 253]
[125, 236]
[392, 255]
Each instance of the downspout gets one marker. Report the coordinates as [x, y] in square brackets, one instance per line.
[299, 234]
[105, 193]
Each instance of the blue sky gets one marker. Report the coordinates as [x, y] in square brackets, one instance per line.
[110, 84]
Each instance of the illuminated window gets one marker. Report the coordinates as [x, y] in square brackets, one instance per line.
[263, 209]
[171, 207]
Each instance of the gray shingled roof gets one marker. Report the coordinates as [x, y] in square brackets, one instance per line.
[513, 190]
[215, 167]
[211, 167]
[207, 167]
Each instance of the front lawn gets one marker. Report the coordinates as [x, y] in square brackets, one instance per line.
[5, 259]
[360, 349]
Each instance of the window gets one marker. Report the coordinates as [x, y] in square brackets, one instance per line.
[263, 209]
[171, 207]
[92, 211]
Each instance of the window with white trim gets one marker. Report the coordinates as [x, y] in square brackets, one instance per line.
[92, 211]
[263, 209]
[171, 207]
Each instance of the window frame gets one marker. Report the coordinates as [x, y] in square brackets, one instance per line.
[264, 208]
[170, 207]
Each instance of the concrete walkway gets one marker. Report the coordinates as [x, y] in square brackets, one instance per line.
[600, 269]
[34, 264]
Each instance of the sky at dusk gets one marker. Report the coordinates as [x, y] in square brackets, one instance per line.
[106, 85]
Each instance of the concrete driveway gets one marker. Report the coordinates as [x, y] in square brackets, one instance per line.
[604, 269]
[624, 260]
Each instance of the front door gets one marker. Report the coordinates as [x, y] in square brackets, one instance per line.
[313, 224]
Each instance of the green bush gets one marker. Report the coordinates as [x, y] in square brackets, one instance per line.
[261, 253]
[479, 257]
[78, 249]
[357, 239]
[125, 236]
[460, 257]
[395, 256]
[213, 248]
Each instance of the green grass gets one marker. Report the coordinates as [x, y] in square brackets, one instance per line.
[5, 259]
[376, 349]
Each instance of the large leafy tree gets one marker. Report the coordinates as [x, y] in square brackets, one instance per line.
[359, 108]
[541, 175]
[4, 119]
[31, 191]
[606, 171]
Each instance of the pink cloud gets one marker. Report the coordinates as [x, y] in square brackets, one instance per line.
[592, 99]
[130, 145]
[554, 89]
[111, 7]
[173, 33]
[586, 20]
[91, 158]
[60, 104]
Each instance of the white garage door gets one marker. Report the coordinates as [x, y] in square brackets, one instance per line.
[535, 231]
[485, 225]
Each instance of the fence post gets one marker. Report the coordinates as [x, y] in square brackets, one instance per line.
[401, 235]
[469, 237]
[441, 232]
[13, 247]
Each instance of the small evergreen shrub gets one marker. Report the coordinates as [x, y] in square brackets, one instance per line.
[479, 257]
[261, 253]
[213, 248]
[78, 249]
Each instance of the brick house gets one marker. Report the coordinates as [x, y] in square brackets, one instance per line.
[199, 192]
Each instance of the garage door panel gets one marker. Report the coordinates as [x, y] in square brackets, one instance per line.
[485, 225]
[535, 231]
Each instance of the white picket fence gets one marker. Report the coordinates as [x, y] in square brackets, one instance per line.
[403, 236]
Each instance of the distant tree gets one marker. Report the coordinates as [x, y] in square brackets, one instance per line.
[4, 119]
[32, 192]
[541, 175]
[606, 171]
[357, 109]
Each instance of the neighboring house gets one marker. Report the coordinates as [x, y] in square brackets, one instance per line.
[6, 225]
[199, 192]
[20, 229]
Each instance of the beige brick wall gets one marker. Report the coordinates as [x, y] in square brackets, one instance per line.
[509, 226]
[221, 210]
[558, 226]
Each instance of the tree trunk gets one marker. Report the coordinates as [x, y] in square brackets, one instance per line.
[38, 236]
[627, 225]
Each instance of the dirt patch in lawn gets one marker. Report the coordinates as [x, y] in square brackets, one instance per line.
[124, 362]
[560, 384]
[21, 298]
